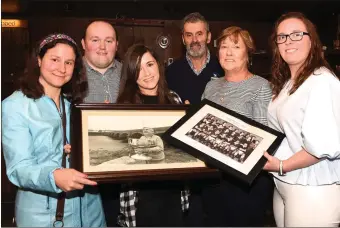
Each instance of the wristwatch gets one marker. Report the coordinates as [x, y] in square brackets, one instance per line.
[281, 173]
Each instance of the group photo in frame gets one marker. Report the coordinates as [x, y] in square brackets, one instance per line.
[113, 143]
[225, 139]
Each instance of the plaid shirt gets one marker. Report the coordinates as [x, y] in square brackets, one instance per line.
[129, 200]
[197, 72]
[103, 88]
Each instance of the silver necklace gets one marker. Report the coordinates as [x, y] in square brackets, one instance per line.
[238, 85]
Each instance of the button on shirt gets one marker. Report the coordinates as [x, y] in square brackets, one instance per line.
[103, 88]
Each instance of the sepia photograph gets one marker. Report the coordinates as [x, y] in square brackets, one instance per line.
[124, 141]
[224, 139]
[132, 146]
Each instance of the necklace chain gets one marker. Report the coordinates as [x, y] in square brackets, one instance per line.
[238, 85]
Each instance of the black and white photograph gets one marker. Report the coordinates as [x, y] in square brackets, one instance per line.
[132, 147]
[131, 140]
[224, 137]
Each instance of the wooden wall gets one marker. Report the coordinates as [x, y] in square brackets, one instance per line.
[14, 50]
[16, 42]
[147, 31]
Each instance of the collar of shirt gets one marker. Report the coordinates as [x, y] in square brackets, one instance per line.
[197, 72]
[89, 68]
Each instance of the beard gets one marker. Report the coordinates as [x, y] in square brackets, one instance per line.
[202, 48]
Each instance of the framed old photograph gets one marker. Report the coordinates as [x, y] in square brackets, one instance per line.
[118, 143]
[225, 139]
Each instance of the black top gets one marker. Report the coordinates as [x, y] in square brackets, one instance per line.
[149, 99]
[189, 86]
[159, 202]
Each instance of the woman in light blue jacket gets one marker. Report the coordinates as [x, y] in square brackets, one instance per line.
[32, 139]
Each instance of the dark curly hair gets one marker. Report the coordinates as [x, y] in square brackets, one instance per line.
[74, 90]
[280, 69]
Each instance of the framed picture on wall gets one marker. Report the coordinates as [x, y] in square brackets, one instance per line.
[225, 139]
[118, 143]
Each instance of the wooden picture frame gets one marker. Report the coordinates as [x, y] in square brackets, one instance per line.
[224, 139]
[107, 144]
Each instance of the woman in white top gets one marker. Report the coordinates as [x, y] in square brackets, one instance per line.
[306, 107]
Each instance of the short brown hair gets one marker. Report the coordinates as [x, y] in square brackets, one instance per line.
[193, 18]
[234, 33]
[102, 21]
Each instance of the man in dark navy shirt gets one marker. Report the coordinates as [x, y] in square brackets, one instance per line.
[188, 76]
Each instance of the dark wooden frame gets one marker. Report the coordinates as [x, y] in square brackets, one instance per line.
[76, 158]
[248, 179]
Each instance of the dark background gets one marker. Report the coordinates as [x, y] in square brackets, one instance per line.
[145, 21]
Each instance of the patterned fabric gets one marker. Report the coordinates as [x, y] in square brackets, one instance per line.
[249, 97]
[57, 36]
[103, 88]
[176, 97]
[197, 72]
[128, 208]
[128, 201]
[185, 199]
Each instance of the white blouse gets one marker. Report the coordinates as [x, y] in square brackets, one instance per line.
[310, 119]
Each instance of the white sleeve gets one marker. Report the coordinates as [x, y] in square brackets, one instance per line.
[321, 123]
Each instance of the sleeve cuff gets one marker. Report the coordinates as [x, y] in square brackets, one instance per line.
[52, 181]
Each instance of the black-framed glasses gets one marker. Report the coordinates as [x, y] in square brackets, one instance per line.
[294, 36]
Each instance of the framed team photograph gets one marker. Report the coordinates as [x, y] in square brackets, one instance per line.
[224, 139]
[118, 143]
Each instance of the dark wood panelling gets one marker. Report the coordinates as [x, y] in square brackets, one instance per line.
[17, 41]
[14, 47]
[8, 192]
[147, 31]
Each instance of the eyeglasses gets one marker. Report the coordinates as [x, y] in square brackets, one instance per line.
[294, 36]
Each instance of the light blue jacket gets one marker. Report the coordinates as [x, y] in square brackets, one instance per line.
[32, 144]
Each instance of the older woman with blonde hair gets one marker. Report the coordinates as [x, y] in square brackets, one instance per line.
[230, 203]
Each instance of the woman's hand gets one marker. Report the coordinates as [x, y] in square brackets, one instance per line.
[272, 164]
[186, 102]
[71, 179]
